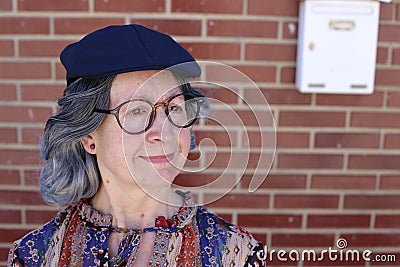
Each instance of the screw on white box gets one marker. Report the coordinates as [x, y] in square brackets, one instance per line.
[337, 43]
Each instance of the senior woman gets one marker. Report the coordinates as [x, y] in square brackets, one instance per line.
[110, 154]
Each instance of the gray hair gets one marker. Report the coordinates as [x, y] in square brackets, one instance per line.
[69, 173]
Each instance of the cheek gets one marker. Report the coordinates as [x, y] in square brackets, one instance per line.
[184, 141]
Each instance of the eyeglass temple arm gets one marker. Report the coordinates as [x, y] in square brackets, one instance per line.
[106, 111]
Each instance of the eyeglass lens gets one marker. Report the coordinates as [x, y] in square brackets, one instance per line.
[137, 115]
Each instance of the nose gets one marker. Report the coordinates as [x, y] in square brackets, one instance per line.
[161, 129]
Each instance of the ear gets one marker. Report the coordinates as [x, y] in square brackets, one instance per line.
[88, 144]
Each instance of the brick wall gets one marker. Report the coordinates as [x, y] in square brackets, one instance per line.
[336, 171]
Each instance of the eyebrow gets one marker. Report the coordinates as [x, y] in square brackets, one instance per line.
[176, 90]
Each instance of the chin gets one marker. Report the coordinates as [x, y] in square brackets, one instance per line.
[167, 175]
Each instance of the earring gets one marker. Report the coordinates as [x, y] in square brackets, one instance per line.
[92, 146]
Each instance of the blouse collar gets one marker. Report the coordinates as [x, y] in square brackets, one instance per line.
[180, 219]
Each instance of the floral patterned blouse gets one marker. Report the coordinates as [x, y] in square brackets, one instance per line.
[194, 236]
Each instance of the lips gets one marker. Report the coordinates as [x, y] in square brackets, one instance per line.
[158, 159]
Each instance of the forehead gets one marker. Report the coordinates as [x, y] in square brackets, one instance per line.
[149, 84]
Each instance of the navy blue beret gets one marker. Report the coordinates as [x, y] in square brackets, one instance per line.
[125, 48]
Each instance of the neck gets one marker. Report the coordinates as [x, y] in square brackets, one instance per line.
[134, 208]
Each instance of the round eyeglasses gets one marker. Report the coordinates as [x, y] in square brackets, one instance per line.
[136, 116]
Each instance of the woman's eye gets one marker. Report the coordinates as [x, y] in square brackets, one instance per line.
[175, 108]
[137, 111]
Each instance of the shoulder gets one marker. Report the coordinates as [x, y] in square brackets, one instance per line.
[208, 219]
[30, 249]
[229, 242]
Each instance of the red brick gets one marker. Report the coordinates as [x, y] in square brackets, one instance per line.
[387, 221]
[8, 92]
[31, 135]
[292, 139]
[310, 161]
[129, 6]
[213, 50]
[398, 12]
[375, 119]
[208, 6]
[271, 52]
[26, 70]
[387, 77]
[261, 237]
[358, 182]
[6, 48]
[4, 255]
[219, 138]
[274, 261]
[10, 216]
[373, 100]
[11, 236]
[226, 217]
[382, 54]
[8, 135]
[41, 92]
[238, 159]
[259, 139]
[270, 220]
[338, 221]
[312, 118]
[393, 99]
[20, 198]
[205, 179]
[24, 25]
[221, 94]
[255, 73]
[306, 201]
[242, 28]
[389, 33]
[24, 114]
[288, 75]
[368, 202]
[83, 25]
[238, 201]
[323, 260]
[19, 157]
[372, 162]
[396, 56]
[392, 141]
[43, 48]
[32, 177]
[277, 181]
[347, 140]
[385, 11]
[292, 240]
[39, 216]
[193, 160]
[277, 97]
[51, 5]
[390, 182]
[227, 117]
[272, 7]
[382, 258]
[9, 177]
[60, 72]
[5, 5]
[182, 27]
[372, 240]
[290, 30]
[258, 73]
